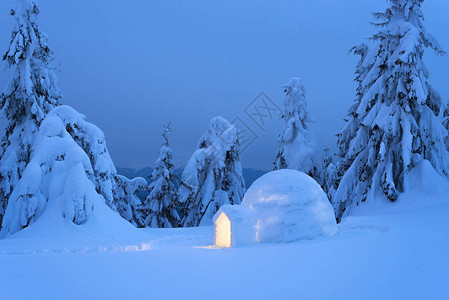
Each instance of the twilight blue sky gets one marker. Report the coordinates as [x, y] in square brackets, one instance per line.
[131, 66]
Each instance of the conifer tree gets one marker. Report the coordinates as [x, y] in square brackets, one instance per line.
[330, 174]
[119, 192]
[395, 120]
[68, 165]
[126, 201]
[446, 125]
[30, 95]
[160, 205]
[298, 148]
[213, 176]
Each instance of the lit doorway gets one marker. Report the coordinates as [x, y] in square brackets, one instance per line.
[223, 231]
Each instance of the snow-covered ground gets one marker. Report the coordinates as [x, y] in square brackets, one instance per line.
[400, 255]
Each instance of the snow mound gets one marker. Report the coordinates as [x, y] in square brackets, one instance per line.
[290, 205]
[424, 182]
[424, 188]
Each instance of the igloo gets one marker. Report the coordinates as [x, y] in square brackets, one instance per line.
[281, 206]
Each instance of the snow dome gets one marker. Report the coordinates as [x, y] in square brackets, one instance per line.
[286, 205]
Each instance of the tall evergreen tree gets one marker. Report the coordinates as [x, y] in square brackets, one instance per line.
[30, 95]
[394, 122]
[213, 176]
[298, 148]
[160, 205]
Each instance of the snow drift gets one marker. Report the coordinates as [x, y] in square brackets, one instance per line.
[424, 188]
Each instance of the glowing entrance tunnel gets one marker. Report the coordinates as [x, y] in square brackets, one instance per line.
[223, 231]
[234, 225]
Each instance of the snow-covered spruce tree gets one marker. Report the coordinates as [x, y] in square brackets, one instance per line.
[57, 178]
[126, 201]
[160, 205]
[213, 176]
[298, 148]
[118, 191]
[30, 95]
[329, 174]
[394, 123]
[446, 125]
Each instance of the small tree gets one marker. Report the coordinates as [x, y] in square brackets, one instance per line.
[394, 122]
[330, 174]
[298, 148]
[126, 200]
[160, 205]
[213, 176]
[30, 95]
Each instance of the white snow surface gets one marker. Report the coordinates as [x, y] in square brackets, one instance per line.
[424, 188]
[399, 253]
[289, 206]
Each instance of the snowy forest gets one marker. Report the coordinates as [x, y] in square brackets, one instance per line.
[362, 216]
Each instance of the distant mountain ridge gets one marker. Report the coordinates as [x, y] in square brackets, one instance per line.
[250, 175]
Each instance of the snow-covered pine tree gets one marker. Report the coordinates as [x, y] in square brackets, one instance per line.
[298, 148]
[126, 201]
[394, 123]
[160, 205]
[57, 178]
[446, 125]
[352, 122]
[213, 176]
[118, 191]
[330, 174]
[30, 95]
[70, 169]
